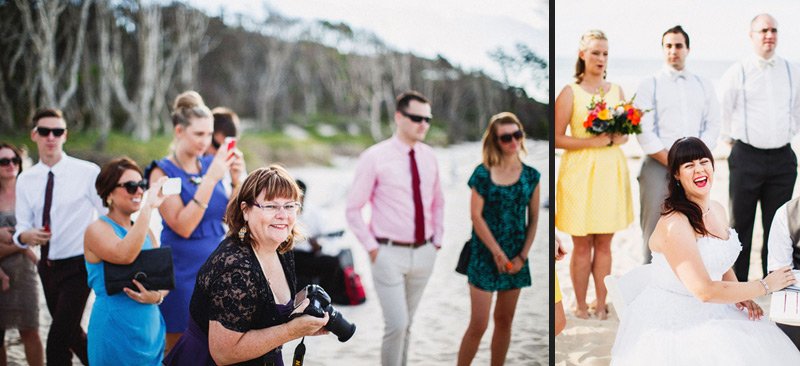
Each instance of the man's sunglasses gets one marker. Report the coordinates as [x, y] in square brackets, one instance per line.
[132, 186]
[44, 131]
[415, 118]
[6, 161]
[506, 138]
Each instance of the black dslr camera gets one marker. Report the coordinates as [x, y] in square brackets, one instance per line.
[318, 303]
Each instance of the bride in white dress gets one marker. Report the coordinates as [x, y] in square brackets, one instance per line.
[693, 311]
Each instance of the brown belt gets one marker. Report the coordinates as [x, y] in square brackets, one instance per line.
[390, 242]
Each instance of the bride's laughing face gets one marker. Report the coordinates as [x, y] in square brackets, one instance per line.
[696, 176]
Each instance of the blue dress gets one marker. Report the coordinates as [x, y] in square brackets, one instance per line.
[189, 254]
[505, 212]
[122, 331]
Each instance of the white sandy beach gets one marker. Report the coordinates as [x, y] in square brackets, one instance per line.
[443, 314]
[589, 342]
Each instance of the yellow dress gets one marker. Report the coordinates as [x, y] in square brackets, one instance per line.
[558, 289]
[593, 193]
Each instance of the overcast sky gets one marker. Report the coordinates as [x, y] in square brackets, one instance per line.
[718, 29]
[463, 31]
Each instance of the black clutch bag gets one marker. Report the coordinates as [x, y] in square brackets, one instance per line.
[463, 259]
[152, 268]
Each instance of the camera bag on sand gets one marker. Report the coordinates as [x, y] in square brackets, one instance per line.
[353, 288]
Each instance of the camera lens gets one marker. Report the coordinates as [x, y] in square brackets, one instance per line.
[338, 325]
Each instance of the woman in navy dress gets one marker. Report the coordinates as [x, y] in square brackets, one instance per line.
[505, 211]
[192, 221]
[124, 328]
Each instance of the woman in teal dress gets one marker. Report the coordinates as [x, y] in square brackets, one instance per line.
[125, 328]
[505, 211]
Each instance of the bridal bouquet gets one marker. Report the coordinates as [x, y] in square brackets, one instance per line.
[624, 118]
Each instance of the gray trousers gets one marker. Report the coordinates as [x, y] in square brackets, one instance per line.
[653, 181]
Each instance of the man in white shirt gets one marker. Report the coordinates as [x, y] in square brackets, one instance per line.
[760, 111]
[682, 104]
[56, 201]
[784, 249]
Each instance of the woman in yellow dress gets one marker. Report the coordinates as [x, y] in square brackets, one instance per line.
[593, 194]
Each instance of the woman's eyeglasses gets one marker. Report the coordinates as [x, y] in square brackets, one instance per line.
[415, 118]
[6, 161]
[506, 137]
[44, 131]
[132, 186]
[273, 208]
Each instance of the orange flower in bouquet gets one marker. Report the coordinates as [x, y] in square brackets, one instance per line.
[624, 118]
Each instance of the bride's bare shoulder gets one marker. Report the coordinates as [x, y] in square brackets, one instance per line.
[671, 226]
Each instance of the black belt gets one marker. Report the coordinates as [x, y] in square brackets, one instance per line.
[391, 242]
[758, 149]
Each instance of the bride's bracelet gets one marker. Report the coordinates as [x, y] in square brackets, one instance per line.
[766, 288]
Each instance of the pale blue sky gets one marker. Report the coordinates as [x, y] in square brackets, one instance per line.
[461, 30]
[718, 29]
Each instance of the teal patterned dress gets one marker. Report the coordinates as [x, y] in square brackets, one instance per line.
[505, 211]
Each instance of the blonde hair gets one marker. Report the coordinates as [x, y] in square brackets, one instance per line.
[583, 45]
[187, 105]
[492, 154]
[275, 182]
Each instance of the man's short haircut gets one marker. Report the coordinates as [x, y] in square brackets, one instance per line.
[44, 113]
[225, 121]
[678, 30]
[403, 100]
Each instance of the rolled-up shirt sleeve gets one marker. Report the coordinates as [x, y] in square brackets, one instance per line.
[645, 97]
[779, 243]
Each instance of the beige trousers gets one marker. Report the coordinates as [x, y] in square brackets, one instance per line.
[400, 275]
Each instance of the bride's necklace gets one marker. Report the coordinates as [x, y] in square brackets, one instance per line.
[196, 179]
[707, 212]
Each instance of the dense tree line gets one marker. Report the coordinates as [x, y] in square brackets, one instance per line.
[117, 65]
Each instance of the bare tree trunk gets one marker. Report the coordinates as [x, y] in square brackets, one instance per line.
[51, 70]
[271, 81]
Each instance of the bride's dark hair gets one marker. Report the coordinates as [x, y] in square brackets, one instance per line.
[684, 150]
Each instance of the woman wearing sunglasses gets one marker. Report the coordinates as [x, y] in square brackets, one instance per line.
[505, 211]
[18, 280]
[193, 220]
[593, 193]
[125, 328]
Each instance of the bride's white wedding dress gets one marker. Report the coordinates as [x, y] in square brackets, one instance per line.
[666, 325]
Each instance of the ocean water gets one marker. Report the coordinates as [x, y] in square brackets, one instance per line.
[629, 72]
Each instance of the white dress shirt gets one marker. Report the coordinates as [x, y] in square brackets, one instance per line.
[682, 104]
[75, 204]
[779, 242]
[311, 224]
[761, 102]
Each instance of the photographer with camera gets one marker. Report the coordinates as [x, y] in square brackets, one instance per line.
[242, 301]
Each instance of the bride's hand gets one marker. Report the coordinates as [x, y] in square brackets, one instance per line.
[754, 312]
[780, 278]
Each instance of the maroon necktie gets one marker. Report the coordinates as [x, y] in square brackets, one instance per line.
[419, 216]
[48, 201]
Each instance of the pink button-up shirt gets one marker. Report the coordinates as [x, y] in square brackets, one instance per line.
[383, 178]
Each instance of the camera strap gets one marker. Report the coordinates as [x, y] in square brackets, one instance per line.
[299, 353]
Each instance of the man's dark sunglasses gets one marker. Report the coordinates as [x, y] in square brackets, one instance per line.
[132, 186]
[44, 131]
[6, 161]
[415, 118]
[508, 136]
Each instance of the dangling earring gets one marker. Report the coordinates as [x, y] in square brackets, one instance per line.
[109, 202]
[678, 183]
[242, 233]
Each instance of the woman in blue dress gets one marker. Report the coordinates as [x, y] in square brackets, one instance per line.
[124, 328]
[192, 222]
[503, 189]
